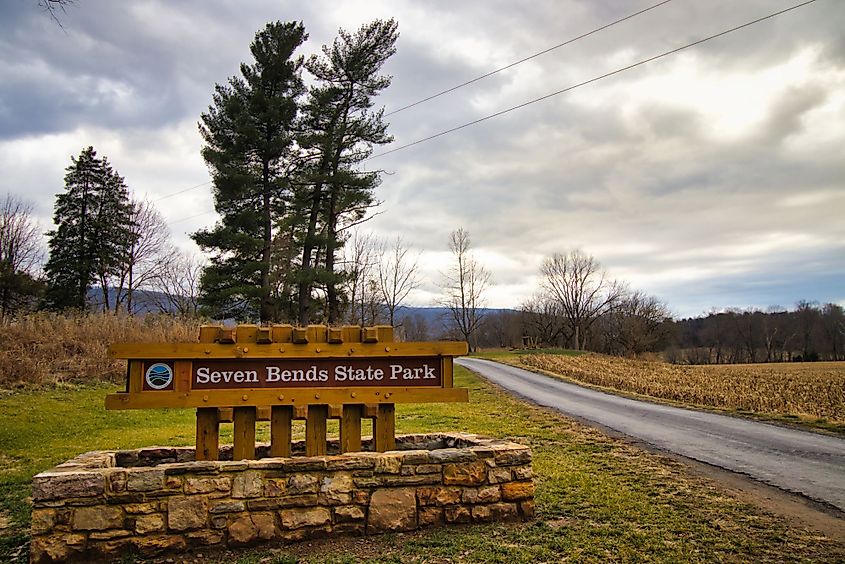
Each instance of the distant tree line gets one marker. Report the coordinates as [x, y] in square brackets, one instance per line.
[810, 332]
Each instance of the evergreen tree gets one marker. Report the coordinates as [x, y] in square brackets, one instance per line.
[248, 148]
[339, 132]
[93, 220]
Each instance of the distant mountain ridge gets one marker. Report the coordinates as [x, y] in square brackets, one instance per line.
[147, 301]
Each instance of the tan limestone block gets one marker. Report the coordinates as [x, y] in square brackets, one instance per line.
[393, 509]
[494, 512]
[428, 469]
[465, 474]
[247, 484]
[346, 513]
[439, 496]
[499, 475]
[208, 485]
[97, 518]
[204, 537]
[457, 514]
[151, 523]
[515, 491]
[513, 455]
[248, 528]
[302, 484]
[484, 494]
[275, 487]
[305, 517]
[389, 463]
[523, 472]
[266, 523]
[117, 481]
[140, 508]
[42, 520]
[108, 535]
[53, 485]
[145, 480]
[185, 513]
[152, 546]
[55, 548]
[430, 516]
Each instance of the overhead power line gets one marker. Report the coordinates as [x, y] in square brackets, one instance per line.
[182, 191]
[595, 79]
[191, 217]
[528, 58]
[556, 93]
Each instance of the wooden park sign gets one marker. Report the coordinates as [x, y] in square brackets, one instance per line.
[281, 373]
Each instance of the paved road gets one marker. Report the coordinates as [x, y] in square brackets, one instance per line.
[796, 461]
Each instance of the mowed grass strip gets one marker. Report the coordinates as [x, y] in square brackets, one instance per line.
[598, 499]
[812, 393]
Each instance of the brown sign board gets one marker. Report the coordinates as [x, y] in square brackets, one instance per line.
[284, 365]
[306, 373]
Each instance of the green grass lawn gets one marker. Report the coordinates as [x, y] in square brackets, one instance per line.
[598, 499]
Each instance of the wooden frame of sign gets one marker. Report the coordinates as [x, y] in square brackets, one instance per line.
[282, 373]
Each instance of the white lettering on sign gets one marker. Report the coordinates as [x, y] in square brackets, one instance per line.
[350, 374]
[313, 374]
[281, 373]
[425, 372]
[206, 376]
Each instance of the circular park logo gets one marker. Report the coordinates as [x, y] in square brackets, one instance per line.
[159, 376]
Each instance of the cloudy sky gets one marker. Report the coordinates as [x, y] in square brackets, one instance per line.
[711, 178]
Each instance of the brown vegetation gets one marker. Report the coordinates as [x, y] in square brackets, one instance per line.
[45, 348]
[815, 389]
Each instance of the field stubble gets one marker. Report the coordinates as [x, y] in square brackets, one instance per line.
[44, 349]
[813, 390]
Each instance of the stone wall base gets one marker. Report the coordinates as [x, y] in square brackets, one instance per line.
[154, 501]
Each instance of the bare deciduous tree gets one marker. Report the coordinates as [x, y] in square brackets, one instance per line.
[582, 288]
[52, 7]
[640, 319]
[464, 287]
[148, 254]
[543, 321]
[359, 264]
[20, 254]
[397, 276]
[176, 284]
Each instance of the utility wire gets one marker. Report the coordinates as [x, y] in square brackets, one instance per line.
[182, 191]
[562, 91]
[190, 217]
[528, 58]
[595, 79]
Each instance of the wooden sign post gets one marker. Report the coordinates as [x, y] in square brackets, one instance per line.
[282, 373]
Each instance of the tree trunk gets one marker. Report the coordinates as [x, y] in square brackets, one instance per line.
[331, 246]
[266, 313]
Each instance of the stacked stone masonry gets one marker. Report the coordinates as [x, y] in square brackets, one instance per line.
[153, 501]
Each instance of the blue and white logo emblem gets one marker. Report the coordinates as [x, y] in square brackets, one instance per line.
[159, 376]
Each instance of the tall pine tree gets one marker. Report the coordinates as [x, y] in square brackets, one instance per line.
[248, 148]
[340, 130]
[93, 231]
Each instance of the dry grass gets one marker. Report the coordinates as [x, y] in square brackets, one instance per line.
[48, 349]
[804, 389]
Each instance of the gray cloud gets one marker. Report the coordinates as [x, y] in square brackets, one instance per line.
[712, 178]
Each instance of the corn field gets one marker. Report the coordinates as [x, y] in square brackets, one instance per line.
[813, 389]
[49, 349]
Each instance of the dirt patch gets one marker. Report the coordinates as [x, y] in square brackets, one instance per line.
[5, 521]
[8, 464]
[798, 510]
